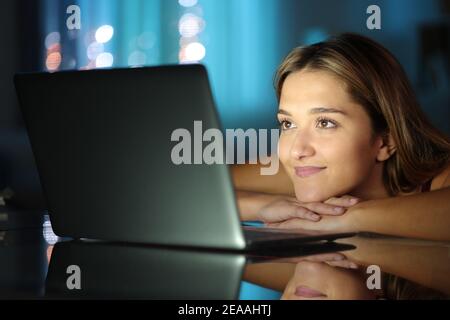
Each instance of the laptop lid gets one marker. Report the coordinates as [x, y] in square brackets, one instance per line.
[102, 144]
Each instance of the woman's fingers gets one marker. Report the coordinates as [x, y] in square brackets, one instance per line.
[346, 264]
[333, 256]
[304, 213]
[285, 210]
[344, 201]
[334, 259]
[289, 209]
[324, 208]
[323, 257]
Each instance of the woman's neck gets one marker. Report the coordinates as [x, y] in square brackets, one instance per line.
[373, 188]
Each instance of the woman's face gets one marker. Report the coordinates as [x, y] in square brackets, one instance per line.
[326, 143]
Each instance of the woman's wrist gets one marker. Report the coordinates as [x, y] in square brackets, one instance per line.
[354, 218]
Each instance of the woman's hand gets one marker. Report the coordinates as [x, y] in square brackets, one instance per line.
[334, 259]
[341, 223]
[284, 212]
[317, 280]
[277, 274]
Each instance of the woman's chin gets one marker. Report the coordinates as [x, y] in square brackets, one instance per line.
[311, 195]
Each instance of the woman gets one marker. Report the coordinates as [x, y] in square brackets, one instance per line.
[358, 153]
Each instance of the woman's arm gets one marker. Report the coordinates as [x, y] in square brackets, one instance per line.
[424, 263]
[248, 177]
[424, 215]
[255, 191]
[421, 216]
[250, 203]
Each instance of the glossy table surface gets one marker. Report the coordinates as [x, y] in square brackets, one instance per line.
[36, 264]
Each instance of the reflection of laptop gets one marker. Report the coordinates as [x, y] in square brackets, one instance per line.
[115, 271]
[102, 144]
[112, 271]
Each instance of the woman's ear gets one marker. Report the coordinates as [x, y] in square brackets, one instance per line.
[386, 147]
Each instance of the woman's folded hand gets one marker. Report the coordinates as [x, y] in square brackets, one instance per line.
[288, 208]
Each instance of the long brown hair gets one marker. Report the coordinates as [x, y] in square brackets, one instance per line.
[377, 81]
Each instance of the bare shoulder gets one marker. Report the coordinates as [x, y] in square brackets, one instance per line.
[442, 180]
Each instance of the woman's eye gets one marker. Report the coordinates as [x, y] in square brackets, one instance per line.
[286, 125]
[326, 124]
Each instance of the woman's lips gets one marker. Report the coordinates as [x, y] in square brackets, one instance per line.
[306, 292]
[304, 172]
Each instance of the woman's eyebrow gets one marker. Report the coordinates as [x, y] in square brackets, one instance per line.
[315, 110]
[326, 110]
[281, 111]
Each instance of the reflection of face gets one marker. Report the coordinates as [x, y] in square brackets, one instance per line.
[326, 143]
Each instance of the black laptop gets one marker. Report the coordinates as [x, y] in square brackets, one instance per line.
[103, 148]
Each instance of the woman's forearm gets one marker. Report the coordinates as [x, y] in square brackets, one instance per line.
[250, 203]
[254, 191]
[424, 215]
[424, 263]
[248, 177]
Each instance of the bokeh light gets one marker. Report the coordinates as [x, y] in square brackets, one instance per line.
[187, 3]
[193, 52]
[190, 25]
[104, 60]
[52, 39]
[94, 50]
[104, 33]
[137, 58]
[185, 41]
[146, 40]
[89, 37]
[53, 61]
[54, 48]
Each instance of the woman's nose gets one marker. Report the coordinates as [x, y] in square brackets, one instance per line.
[301, 146]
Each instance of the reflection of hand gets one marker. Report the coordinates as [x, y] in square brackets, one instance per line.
[317, 280]
[334, 259]
[280, 212]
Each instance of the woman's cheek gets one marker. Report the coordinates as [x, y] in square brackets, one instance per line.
[353, 169]
[345, 170]
[283, 150]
